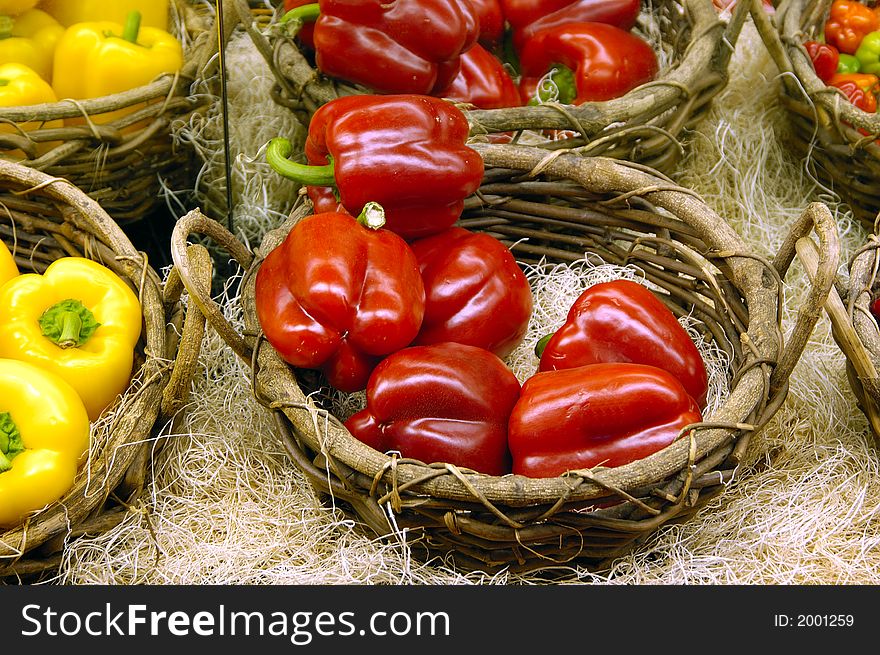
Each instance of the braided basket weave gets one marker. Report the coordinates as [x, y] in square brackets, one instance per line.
[648, 125]
[824, 124]
[124, 163]
[44, 219]
[556, 207]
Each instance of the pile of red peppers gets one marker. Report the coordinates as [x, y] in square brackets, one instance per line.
[486, 53]
[383, 293]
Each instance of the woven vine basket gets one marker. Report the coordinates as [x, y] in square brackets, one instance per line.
[556, 207]
[122, 164]
[649, 124]
[854, 328]
[824, 124]
[45, 218]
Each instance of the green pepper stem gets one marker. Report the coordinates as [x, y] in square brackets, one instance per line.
[306, 13]
[277, 155]
[557, 86]
[4, 82]
[7, 24]
[68, 324]
[132, 26]
[10, 441]
[542, 344]
[372, 216]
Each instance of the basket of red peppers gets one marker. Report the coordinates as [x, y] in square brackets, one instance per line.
[379, 321]
[93, 92]
[96, 358]
[829, 54]
[619, 78]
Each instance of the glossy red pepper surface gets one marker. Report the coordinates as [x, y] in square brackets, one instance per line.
[848, 22]
[406, 46]
[406, 152]
[483, 82]
[527, 17]
[859, 88]
[338, 296]
[491, 17]
[445, 402]
[475, 292]
[623, 321]
[825, 58]
[607, 61]
[599, 414]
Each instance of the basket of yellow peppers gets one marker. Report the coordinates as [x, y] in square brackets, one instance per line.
[93, 91]
[96, 359]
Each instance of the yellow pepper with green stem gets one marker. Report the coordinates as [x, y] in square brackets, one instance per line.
[30, 38]
[44, 435]
[78, 320]
[98, 59]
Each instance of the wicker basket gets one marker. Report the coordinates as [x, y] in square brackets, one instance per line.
[122, 164]
[649, 124]
[557, 207]
[824, 124]
[43, 219]
[854, 328]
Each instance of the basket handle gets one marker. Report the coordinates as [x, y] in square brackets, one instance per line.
[817, 217]
[195, 222]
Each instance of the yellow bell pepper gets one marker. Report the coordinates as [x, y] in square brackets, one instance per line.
[8, 267]
[79, 320]
[154, 13]
[44, 435]
[15, 7]
[20, 85]
[102, 58]
[30, 38]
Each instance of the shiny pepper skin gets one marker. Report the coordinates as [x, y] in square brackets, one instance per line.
[445, 402]
[603, 61]
[527, 17]
[848, 22]
[596, 415]
[860, 89]
[825, 59]
[406, 152]
[475, 292]
[406, 46]
[8, 267]
[483, 81]
[623, 321]
[44, 435]
[338, 296]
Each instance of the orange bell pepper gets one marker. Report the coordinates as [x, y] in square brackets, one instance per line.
[849, 21]
[860, 89]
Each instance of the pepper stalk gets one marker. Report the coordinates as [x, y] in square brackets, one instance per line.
[278, 156]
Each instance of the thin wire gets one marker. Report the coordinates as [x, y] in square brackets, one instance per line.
[225, 106]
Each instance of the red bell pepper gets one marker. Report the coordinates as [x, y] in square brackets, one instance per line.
[491, 17]
[475, 292]
[406, 46]
[859, 88]
[825, 58]
[446, 402]
[527, 17]
[338, 295]
[596, 415]
[594, 62]
[623, 321]
[306, 34]
[483, 82]
[406, 152]
[849, 21]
